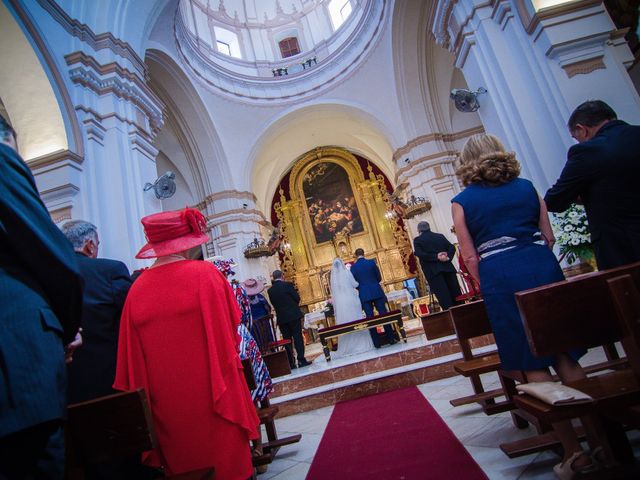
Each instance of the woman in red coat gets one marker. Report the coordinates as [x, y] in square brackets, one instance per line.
[178, 341]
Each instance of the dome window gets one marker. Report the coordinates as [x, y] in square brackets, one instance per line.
[339, 10]
[289, 47]
[227, 42]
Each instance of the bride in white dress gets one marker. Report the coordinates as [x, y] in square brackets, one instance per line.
[347, 308]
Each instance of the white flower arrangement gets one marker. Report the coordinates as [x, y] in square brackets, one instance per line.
[572, 233]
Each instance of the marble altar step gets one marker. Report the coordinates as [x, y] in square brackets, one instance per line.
[401, 365]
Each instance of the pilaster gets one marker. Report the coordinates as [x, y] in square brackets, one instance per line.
[537, 65]
[120, 116]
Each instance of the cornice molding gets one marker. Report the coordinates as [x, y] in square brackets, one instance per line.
[440, 24]
[430, 137]
[54, 158]
[94, 126]
[59, 215]
[584, 67]
[113, 79]
[226, 194]
[531, 22]
[428, 161]
[96, 41]
[236, 215]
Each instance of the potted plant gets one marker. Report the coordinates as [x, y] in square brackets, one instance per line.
[571, 229]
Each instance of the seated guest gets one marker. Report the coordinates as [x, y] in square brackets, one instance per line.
[178, 341]
[260, 311]
[500, 219]
[106, 283]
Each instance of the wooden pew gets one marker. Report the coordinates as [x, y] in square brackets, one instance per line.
[113, 428]
[471, 322]
[578, 314]
[437, 324]
[273, 353]
[267, 414]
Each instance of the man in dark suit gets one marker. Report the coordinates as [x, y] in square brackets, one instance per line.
[367, 274]
[435, 253]
[40, 310]
[602, 172]
[106, 283]
[285, 299]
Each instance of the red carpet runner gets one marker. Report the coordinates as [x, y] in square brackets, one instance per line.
[392, 435]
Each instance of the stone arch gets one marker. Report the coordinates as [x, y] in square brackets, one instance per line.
[34, 95]
[427, 68]
[300, 129]
[204, 164]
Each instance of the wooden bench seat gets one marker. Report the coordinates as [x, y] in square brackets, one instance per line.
[393, 317]
[470, 322]
[267, 414]
[613, 390]
[111, 428]
[437, 325]
[580, 314]
[488, 362]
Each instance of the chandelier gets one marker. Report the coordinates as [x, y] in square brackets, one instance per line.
[257, 249]
[415, 206]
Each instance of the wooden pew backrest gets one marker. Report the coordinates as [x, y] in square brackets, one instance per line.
[470, 320]
[626, 299]
[112, 427]
[572, 314]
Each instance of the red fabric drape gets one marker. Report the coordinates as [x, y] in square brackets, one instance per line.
[178, 341]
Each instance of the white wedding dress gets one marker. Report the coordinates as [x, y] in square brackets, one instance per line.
[347, 308]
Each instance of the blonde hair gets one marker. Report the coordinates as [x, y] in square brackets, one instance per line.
[484, 160]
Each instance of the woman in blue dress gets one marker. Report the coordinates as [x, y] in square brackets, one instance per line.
[505, 240]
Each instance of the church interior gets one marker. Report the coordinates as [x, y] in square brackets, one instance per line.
[304, 131]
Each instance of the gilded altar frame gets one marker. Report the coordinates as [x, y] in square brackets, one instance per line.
[306, 262]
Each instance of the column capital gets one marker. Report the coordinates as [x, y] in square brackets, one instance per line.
[99, 81]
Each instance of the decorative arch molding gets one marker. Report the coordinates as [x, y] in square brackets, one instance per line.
[58, 112]
[353, 126]
[176, 122]
[432, 67]
[210, 171]
[329, 204]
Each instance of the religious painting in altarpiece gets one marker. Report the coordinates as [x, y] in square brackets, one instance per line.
[334, 208]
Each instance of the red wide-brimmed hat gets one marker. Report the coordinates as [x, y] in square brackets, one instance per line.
[173, 232]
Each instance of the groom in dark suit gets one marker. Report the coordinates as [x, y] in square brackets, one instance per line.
[40, 310]
[602, 172]
[368, 276]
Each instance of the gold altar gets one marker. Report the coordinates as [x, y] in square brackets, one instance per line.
[333, 209]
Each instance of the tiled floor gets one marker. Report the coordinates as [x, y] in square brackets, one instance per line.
[480, 434]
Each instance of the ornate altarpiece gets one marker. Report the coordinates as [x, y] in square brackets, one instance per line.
[370, 225]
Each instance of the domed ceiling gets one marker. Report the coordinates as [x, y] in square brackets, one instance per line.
[263, 50]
